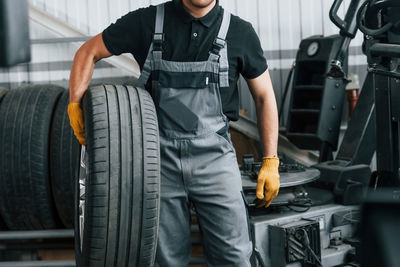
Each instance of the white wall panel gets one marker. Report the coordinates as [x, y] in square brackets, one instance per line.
[38, 3]
[139, 4]
[19, 74]
[4, 77]
[77, 15]
[329, 27]
[290, 26]
[297, 18]
[74, 15]
[269, 29]
[156, 2]
[311, 18]
[289, 23]
[249, 12]
[117, 8]
[98, 16]
[57, 8]
[230, 5]
[280, 24]
[293, 19]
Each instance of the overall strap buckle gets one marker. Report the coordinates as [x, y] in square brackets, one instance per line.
[158, 40]
[218, 45]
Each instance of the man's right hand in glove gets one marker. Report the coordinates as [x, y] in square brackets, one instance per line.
[75, 114]
[81, 73]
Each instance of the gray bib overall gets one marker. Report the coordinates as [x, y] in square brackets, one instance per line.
[198, 161]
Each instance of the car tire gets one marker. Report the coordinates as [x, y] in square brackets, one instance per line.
[2, 93]
[118, 225]
[2, 223]
[64, 162]
[26, 201]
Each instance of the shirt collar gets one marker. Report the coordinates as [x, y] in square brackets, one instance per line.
[207, 20]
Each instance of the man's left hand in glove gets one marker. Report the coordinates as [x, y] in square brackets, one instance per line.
[268, 181]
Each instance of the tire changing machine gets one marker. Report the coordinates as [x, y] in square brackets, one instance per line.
[315, 219]
[305, 225]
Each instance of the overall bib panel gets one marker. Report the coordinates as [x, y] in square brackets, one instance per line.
[198, 161]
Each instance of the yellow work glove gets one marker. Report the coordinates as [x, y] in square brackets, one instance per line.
[75, 114]
[268, 181]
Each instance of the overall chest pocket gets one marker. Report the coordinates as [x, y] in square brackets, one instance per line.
[183, 80]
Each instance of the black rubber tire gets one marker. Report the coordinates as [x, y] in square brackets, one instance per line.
[2, 93]
[123, 182]
[64, 162]
[2, 223]
[25, 194]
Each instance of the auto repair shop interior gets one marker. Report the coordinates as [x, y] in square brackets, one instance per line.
[335, 71]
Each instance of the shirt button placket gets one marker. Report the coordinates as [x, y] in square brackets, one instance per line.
[195, 36]
[195, 30]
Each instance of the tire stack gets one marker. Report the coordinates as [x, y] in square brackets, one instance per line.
[25, 124]
[40, 176]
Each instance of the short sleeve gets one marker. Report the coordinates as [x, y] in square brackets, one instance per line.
[253, 62]
[129, 34]
[118, 37]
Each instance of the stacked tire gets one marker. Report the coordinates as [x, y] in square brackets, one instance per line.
[2, 223]
[3, 92]
[25, 122]
[114, 201]
[64, 162]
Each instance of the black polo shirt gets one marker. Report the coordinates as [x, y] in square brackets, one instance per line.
[190, 39]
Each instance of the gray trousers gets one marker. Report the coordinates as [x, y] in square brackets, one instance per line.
[203, 171]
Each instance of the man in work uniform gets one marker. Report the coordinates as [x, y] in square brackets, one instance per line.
[191, 53]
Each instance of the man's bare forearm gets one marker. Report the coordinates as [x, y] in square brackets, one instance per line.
[267, 119]
[83, 66]
[267, 113]
[81, 74]
[268, 127]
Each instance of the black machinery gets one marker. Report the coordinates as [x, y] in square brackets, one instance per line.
[315, 219]
[380, 23]
[315, 107]
[319, 86]
[14, 33]
[304, 225]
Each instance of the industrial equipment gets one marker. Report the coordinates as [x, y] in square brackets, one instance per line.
[314, 220]
[304, 224]
[315, 108]
[14, 33]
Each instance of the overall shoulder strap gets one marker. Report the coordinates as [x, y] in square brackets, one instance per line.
[156, 45]
[223, 30]
[158, 37]
[219, 42]
[219, 50]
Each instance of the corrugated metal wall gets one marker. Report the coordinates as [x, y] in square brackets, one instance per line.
[280, 24]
